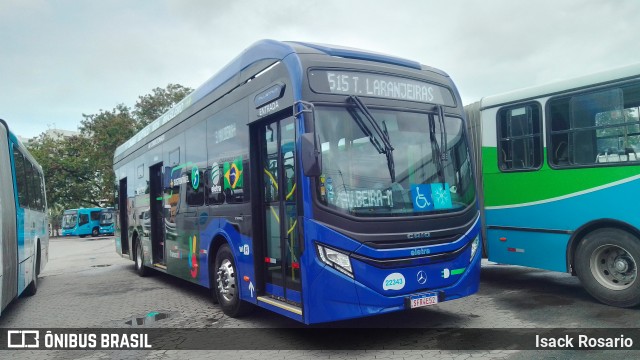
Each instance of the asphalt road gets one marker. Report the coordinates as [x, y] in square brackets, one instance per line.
[86, 284]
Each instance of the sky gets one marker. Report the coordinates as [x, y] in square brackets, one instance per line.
[61, 59]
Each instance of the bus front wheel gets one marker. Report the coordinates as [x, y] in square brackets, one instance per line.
[227, 289]
[139, 260]
[606, 262]
[95, 232]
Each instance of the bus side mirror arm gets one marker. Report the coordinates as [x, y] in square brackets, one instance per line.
[311, 156]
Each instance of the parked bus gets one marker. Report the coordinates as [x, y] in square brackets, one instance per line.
[24, 225]
[81, 222]
[319, 182]
[560, 171]
[107, 221]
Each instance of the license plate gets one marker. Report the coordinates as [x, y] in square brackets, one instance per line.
[423, 300]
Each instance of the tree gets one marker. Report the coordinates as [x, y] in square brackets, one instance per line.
[151, 106]
[106, 130]
[79, 170]
[68, 173]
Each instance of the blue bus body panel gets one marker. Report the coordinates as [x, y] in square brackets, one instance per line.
[107, 229]
[537, 249]
[369, 291]
[241, 247]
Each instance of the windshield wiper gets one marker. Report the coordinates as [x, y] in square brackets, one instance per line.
[382, 133]
[439, 154]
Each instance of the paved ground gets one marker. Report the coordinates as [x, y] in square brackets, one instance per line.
[86, 284]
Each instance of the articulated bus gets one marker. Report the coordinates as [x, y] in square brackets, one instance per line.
[81, 222]
[24, 225]
[319, 182]
[560, 168]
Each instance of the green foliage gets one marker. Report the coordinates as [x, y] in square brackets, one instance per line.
[79, 169]
[151, 106]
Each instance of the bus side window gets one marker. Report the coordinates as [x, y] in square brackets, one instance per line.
[520, 137]
[84, 219]
[21, 178]
[95, 215]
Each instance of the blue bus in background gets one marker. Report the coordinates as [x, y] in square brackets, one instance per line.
[107, 221]
[81, 222]
[24, 225]
[316, 181]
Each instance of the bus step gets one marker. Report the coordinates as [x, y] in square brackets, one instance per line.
[161, 266]
[280, 304]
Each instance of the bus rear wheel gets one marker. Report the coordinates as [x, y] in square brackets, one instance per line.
[607, 262]
[226, 285]
[33, 286]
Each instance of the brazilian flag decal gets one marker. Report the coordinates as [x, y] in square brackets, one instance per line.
[233, 174]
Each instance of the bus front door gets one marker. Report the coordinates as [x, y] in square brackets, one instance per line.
[280, 238]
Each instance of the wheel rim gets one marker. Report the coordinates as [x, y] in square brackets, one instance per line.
[226, 280]
[613, 267]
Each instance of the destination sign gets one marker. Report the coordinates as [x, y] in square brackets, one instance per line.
[377, 85]
[269, 95]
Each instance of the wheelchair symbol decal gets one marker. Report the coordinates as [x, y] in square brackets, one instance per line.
[421, 197]
[420, 200]
[429, 197]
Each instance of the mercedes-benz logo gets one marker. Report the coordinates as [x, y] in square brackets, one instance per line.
[422, 277]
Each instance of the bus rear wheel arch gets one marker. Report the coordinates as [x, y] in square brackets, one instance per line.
[32, 288]
[606, 261]
[226, 284]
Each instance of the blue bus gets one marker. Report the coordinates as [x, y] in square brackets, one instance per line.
[81, 222]
[24, 225]
[316, 181]
[107, 218]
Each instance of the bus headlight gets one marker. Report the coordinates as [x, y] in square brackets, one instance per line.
[474, 247]
[336, 259]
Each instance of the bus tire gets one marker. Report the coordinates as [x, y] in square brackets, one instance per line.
[139, 260]
[606, 262]
[33, 286]
[95, 232]
[226, 285]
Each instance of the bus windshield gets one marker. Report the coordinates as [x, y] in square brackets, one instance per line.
[358, 179]
[69, 220]
[106, 218]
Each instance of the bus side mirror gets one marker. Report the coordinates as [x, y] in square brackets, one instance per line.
[311, 157]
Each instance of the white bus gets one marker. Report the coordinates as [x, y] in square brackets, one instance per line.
[24, 224]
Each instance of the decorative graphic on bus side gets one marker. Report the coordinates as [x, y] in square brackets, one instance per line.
[233, 174]
[193, 256]
[195, 177]
[215, 178]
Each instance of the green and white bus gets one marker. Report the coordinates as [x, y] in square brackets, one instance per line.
[560, 168]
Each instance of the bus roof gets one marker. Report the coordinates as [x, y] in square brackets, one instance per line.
[260, 51]
[26, 152]
[553, 88]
